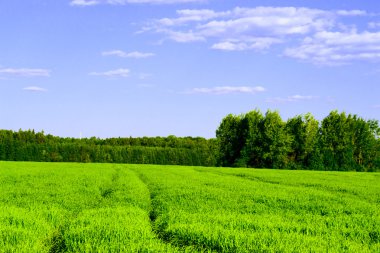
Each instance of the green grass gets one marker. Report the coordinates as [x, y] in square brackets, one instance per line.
[62, 207]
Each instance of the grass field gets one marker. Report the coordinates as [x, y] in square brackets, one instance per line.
[61, 207]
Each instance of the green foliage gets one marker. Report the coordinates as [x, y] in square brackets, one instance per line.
[253, 140]
[348, 142]
[50, 207]
[340, 142]
[230, 140]
[305, 151]
[31, 146]
[252, 152]
[275, 142]
[63, 207]
[242, 210]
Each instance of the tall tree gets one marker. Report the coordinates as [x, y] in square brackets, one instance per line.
[275, 141]
[251, 153]
[230, 140]
[304, 130]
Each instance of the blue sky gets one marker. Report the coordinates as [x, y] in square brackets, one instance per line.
[110, 68]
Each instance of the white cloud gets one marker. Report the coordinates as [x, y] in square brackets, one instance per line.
[84, 2]
[252, 43]
[352, 13]
[349, 38]
[113, 73]
[124, 2]
[35, 89]
[338, 48]
[322, 37]
[26, 72]
[135, 54]
[242, 28]
[294, 98]
[186, 16]
[268, 21]
[183, 37]
[228, 90]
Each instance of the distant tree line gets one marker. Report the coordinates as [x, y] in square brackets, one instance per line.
[31, 146]
[338, 142]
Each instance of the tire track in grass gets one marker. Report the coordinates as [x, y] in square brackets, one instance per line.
[159, 222]
[185, 240]
[57, 240]
[155, 210]
[153, 214]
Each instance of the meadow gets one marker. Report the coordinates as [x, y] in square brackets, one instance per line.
[73, 207]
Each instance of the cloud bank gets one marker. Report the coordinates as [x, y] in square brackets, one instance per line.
[321, 37]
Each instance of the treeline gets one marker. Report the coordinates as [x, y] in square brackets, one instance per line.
[32, 146]
[339, 142]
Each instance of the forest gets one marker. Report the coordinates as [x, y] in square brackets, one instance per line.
[31, 146]
[339, 142]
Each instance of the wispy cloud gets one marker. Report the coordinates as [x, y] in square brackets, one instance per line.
[248, 44]
[337, 48]
[294, 98]
[182, 37]
[227, 90]
[113, 73]
[124, 2]
[122, 54]
[243, 28]
[35, 89]
[25, 72]
[376, 106]
[84, 2]
[189, 16]
[352, 13]
[321, 37]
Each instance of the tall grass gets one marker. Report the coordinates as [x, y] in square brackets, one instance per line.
[66, 207]
[74, 208]
[241, 210]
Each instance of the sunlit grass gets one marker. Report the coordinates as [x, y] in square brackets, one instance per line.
[49, 207]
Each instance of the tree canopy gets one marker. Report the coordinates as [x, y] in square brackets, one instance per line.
[339, 142]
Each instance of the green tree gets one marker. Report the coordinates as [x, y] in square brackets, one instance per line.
[275, 141]
[305, 153]
[333, 140]
[230, 140]
[251, 153]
